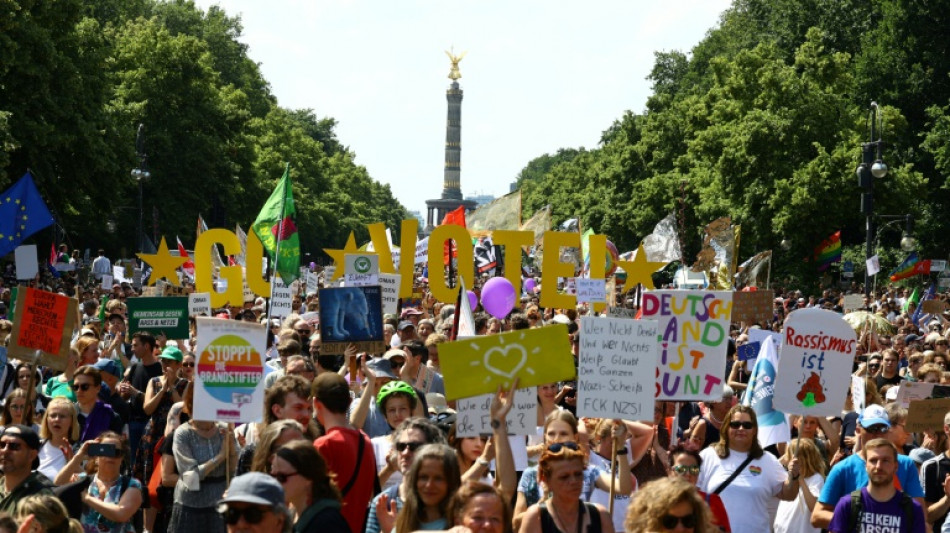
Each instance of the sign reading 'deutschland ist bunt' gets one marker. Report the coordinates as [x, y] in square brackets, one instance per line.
[166, 315]
[229, 378]
[616, 373]
[43, 321]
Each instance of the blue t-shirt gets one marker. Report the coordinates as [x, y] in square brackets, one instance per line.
[877, 517]
[851, 474]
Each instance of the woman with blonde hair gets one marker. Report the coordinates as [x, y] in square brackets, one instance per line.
[46, 512]
[666, 505]
[795, 516]
[59, 431]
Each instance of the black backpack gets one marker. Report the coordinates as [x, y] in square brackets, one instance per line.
[857, 506]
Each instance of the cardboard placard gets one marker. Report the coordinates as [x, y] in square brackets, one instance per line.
[164, 315]
[852, 302]
[478, 365]
[199, 303]
[933, 306]
[229, 374]
[474, 414]
[43, 321]
[752, 306]
[694, 335]
[925, 415]
[351, 315]
[591, 290]
[25, 259]
[616, 368]
[815, 360]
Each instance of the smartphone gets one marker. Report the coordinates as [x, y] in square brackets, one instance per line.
[102, 450]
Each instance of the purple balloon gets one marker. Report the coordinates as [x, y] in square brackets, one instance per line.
[313, 265]
[498, 297]
[530, 284]
[472, 299]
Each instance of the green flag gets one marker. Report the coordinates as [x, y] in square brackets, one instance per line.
[276, 227]
[914, 297]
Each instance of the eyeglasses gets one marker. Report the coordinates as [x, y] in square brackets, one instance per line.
[189, 365]
[252, 515]
[82, 386]
[558, 446]
[683, 469]
[736, 424]
[10, 445]
[412, 445]
[282, 478]
[669, 521]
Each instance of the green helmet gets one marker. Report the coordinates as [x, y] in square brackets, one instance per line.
[393, 387]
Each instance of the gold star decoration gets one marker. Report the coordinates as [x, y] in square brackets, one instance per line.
[340, 255]
[641, 270]
[163, 264]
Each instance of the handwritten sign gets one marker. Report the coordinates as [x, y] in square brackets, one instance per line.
[422, 251]
[313, 282]
[478, 365]
[27, 265]
[858, 394]
[621, 312]
[752, 306]
[164, 315]
[926, 415]
[43, 321]
[229, 375]
[282, 298]
[816, 358]
[852, 302]
[389, 284]
[911, 391]
[474, 414]
[351, 314]
[199, 303]
[693, 333]
[591, 290]
[106, 282]
[616, 368]
[361, 270]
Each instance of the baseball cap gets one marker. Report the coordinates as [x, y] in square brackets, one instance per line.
[25, 433]
[410, 311]
[405, 324]
[912, 338]
[256, 488]
[395, 352]
[173, 353]
[108, 365]
[920, 455]
[382, 368]
[874, 415]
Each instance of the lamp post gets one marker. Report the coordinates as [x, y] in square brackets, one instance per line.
[872, 166]
[141, 174]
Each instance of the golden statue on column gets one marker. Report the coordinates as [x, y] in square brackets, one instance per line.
[454, 74]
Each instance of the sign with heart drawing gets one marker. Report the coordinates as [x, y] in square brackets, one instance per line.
[478, 365]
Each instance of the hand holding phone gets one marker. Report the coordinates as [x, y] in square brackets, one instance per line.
[102, 450]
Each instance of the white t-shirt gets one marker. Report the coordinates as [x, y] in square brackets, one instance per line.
[621, 501]
[381, 447]
[794, 516]
[751, 498]
[52, 460]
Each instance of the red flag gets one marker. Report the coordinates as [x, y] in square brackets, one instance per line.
[52, 254]
[188, 266]
[456, 217]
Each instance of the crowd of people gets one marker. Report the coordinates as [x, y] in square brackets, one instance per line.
[363, 442]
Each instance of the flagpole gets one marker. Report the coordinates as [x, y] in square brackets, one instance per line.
[280, 233]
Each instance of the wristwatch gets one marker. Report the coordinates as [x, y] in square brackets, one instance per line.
[495, 423]
[483, 462]
[622, 451]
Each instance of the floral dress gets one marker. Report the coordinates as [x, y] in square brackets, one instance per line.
[93, 522]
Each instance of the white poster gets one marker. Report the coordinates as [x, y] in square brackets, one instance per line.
[389, 284]
[361, 270]
[591, 290]
[616, 373]
[474, 414]
[229, 375]
[422, 251]
[815, 361]
[27, 264]
[853, 302]
[281, 299]
[106, 282]
[199, 303]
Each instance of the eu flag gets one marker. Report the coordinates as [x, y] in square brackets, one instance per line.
[22, 213]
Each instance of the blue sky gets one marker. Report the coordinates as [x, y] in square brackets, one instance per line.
[538, 75]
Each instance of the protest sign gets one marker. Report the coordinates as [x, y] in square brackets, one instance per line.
[313, 282]
[351, 315]
[164, 315]
[621, 312]
[478, 365]
[328, 280]
[229, 377]
[473, 414]
[694, 333]
[106, 284]
[616, 368]
[27, 264]
[118, 274]
[933, 306]
[858, 394]
[911, 391]
[816, 359]
[591, 291]
[852, 302]
[926, 415]
[199, 303]
[422, 251]
[172, 290]
[389, 284]
[752, 307]
[43, 321]
[282, 298]
[361, 270]
[759, 335]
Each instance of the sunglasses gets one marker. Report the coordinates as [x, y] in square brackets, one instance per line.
[683, 469]
[558, 446]
[669, 521]
[252, 515]
[82, 387]
[305, 332]
[880, 428]
[282, 478]
[735, 424]
[413, 446]
[874, 367]
[189, 365]
[10, 445]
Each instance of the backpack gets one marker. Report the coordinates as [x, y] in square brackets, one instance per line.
[857, 506]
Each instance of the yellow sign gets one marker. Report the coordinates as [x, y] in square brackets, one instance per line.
[478, 365]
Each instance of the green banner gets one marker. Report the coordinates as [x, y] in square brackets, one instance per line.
[167, 315]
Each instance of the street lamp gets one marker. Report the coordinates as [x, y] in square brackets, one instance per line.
[872, 166]
[140, 174]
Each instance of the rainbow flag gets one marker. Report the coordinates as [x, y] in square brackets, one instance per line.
[829, 251]
[911, 266]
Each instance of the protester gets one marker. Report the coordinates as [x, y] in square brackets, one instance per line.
[480, 508]
[17, 410]
[254, 504]
[46, 513]
[19, 452]
[685, 464]
[431, 480]
[205, 455]
[59, 431]
[668, 505]
[277, 434]
[62, 385]
[136, 382]
[795, 516]
[310, 492]
[397, 400]
[935, 478]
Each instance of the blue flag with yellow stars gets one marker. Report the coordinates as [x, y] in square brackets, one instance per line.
[22, 213]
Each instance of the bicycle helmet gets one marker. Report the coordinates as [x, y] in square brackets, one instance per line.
[393, 387]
